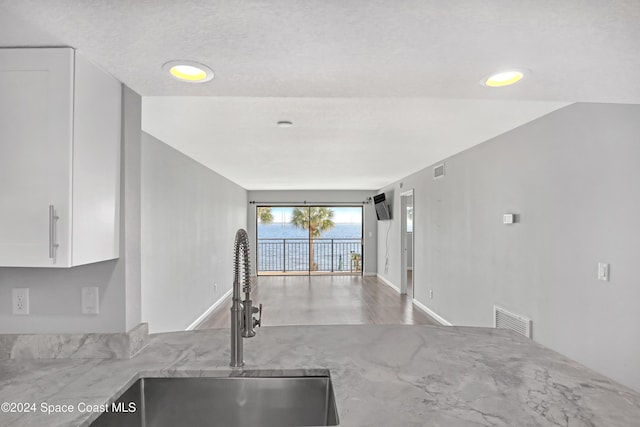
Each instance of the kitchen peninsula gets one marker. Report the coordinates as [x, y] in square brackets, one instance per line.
[383, 375]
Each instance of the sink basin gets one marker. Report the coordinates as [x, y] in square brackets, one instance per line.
[250, 398]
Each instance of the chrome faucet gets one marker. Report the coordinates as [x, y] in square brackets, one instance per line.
[242, 320]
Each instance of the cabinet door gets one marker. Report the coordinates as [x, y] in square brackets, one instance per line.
[36, 121]
[96, 164]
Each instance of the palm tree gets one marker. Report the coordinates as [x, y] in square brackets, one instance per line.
[317, 220]
[265, 216]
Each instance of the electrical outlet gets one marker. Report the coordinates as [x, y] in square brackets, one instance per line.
[215, 287]
[20, 298]
[430, 294]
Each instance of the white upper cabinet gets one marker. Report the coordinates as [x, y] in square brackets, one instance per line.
[59, 159]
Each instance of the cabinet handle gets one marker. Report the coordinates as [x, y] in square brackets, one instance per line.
[52, 233]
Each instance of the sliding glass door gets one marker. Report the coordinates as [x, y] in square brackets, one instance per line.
[309, 240]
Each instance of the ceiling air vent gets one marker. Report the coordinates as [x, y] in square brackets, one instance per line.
[506, 320]
[438, 171]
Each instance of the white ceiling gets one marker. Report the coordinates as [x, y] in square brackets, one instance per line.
[335, 143]
[273, 57]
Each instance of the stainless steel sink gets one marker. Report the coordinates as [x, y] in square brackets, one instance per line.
[256, 399]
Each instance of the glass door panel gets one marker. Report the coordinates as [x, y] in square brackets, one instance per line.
[309, 240]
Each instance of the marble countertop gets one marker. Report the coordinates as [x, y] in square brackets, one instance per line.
[384, 375]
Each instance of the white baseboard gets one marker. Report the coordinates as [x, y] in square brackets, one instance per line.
[388, 283]
[431, 313]
[370, 274]
[209, 310]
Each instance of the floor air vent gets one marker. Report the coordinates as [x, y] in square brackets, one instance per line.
[506, 320]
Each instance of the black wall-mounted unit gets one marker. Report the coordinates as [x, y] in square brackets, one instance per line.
[382, 209]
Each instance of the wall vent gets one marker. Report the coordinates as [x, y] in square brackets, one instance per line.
[438, 171]
[506, 320]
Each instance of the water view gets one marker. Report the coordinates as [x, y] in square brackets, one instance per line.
[284, 243]
[280, 231]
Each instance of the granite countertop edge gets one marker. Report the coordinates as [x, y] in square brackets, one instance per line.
[382, 375]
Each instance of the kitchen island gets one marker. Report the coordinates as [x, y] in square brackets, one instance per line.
[383, 375]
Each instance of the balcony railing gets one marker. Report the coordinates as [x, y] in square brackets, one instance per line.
[292, 255]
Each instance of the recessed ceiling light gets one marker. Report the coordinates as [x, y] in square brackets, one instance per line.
[284, 124]
[188, 71]
[504, 78]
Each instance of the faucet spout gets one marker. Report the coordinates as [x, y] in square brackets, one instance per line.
[242, 310]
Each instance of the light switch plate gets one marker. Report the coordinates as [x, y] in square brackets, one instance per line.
[508, 218]
[603, 271]
[90, 300]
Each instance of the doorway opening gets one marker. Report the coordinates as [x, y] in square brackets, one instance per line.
[407, 242]
[309, 240]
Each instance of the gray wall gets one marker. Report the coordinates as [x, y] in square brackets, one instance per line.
[55, 294]
[190, 215]
[321, 197]
[573, 178]
[130, 234]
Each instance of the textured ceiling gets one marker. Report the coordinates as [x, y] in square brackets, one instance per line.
[391, 65]
[578, 50]
[335, 143]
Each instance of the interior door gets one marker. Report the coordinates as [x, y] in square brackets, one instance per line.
[407, 243]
